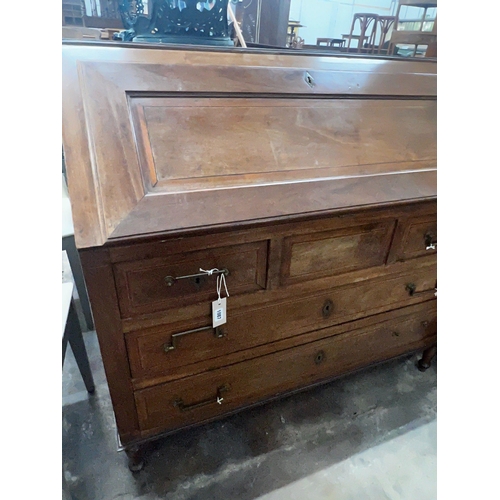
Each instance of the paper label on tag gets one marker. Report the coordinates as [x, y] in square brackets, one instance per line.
[219, 312]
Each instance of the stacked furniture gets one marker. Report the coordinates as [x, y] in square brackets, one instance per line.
[308, 181]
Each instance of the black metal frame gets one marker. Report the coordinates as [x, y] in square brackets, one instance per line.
[176, 21]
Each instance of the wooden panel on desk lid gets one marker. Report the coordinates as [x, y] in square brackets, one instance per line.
[160, 139]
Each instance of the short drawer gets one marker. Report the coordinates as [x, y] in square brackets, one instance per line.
[414, 237]
[210, 394]
[161, 350]
[157, 284]
[329, 253]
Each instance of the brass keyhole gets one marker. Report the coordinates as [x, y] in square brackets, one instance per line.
[319, 358]
[327, 308]
[309, 80]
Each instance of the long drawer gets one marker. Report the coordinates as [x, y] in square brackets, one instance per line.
[210, 394]
[160, 350]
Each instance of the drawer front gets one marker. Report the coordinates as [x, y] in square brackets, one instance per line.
[334, 252]
[160, 350]
[414, 237]
[210, 394]
[162, 283]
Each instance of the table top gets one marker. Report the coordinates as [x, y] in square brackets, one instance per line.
[330, 39]
[354, 36]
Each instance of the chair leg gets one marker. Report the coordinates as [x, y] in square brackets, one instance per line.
[74, 336]
[68, 244]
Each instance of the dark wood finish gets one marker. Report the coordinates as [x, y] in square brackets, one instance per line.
[427, 357]
[312, 180]
[135, 456]
[264, 22]
[278, 148]
[250, 327]
[101, 90]
[279, 372]
[328, 253]
[274, 22]
[102, 294]
[414, 237]
[142, 285]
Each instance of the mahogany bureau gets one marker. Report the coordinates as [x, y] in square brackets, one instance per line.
[308, 181]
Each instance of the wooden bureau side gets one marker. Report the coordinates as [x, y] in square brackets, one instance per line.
[104, 300]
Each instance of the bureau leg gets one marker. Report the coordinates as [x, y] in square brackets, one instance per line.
[135, 456]
[427, 357]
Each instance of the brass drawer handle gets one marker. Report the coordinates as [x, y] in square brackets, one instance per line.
[218, 399]
[327, 309]
[219, 332]
[171, 280]
[430, 242]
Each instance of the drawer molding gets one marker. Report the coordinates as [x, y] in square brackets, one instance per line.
[175, 281]
[249, 327]
[194, 398]
[331, 253]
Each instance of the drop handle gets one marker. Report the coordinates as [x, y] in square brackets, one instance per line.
[219, 398]
[430, 242]
[219, 333]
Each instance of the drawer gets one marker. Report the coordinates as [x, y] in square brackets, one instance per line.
[161, 350]
[414, 237]
[210, 394]
[329, 253]
[157, 284]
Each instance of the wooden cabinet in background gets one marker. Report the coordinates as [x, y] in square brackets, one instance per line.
[309, 181]
[264, 22]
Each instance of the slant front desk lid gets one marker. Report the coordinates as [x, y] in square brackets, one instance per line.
[160, 139]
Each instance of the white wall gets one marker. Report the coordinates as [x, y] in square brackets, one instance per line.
[333, 18]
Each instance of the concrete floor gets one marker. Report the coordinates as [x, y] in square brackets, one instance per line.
[369, 435]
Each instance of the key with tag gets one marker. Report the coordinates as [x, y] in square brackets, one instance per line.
[218, 312]
[219, 316]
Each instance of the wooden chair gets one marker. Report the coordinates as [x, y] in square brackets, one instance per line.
[385, 23]
[365, 20]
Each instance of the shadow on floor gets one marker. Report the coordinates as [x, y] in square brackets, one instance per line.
[246, 455]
